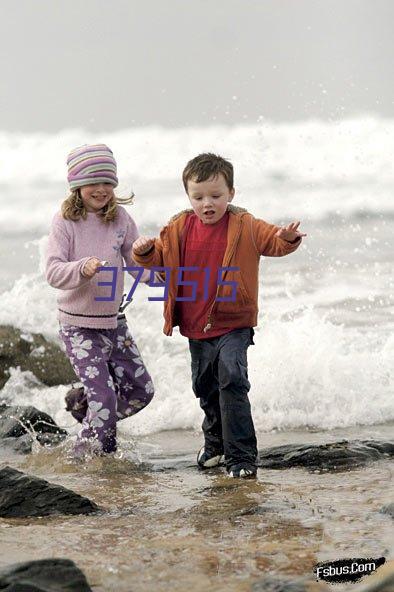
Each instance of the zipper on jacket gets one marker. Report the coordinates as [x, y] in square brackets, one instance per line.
[208, 326]
[173, 304]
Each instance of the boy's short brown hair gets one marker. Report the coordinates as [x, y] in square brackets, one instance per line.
[208, 165]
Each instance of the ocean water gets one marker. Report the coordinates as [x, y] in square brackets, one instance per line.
[324, 347]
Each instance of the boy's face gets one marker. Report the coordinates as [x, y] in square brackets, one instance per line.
[209, 198]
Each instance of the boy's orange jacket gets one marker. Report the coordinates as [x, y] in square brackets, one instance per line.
[247, 239]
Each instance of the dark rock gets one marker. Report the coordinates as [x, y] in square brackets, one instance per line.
[19, 426]
[15, 421]
[46, 439]
[33, 352]
[21, 445]
[46, 575]
[342, 455]
[24, 495]
[389, 509]
[330, 457]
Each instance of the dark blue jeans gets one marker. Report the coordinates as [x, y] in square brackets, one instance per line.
[220, 381]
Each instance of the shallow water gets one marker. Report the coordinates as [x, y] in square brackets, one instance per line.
[168, 525]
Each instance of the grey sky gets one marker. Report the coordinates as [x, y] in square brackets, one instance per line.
[110, 64]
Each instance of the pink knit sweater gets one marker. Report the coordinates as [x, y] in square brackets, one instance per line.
[70, 246]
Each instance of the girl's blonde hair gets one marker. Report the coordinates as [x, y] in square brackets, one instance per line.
[73, 208]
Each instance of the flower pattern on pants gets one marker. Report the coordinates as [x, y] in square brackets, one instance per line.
[80, 348]
[116, 381]
[97, 414]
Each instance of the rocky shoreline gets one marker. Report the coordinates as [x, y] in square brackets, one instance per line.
[31, 352]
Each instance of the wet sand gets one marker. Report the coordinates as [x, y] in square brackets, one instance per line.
[168, 526]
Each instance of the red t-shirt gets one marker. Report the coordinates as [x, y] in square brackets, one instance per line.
[203, 246]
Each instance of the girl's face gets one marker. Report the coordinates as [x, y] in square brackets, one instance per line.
[96, 196]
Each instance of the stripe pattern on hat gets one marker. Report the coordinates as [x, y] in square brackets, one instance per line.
[89, 164]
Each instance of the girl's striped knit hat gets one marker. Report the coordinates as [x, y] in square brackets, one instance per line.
[89, 164]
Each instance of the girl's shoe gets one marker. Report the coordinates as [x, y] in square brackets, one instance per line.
[207, 461]
[76, 403]
[243, 471]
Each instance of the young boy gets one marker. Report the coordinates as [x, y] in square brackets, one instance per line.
[205, 239]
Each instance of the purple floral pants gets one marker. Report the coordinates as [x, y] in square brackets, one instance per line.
[116, 382]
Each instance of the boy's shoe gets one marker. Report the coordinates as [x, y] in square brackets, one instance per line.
[76, 403]
[242, 471]
[207, 461]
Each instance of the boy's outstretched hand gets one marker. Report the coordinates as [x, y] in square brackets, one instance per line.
[143, 244]
[290, 232]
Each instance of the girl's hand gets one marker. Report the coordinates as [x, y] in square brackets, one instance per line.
[143, 244]
[90, 267]
[290, 232]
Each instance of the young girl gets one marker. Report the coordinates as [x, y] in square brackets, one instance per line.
[92, 230]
